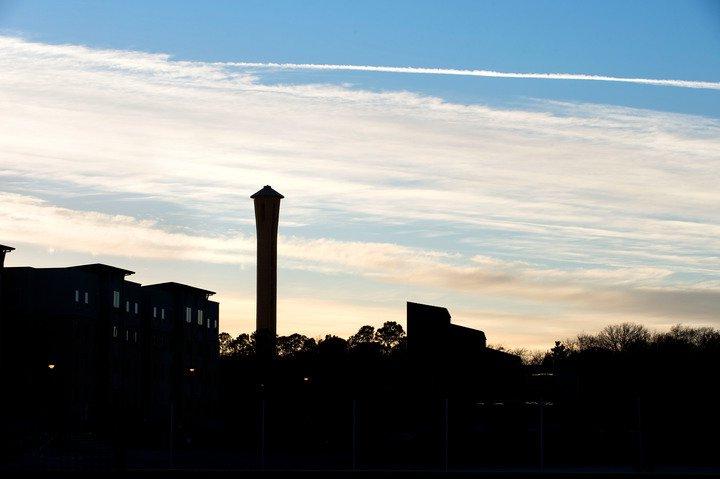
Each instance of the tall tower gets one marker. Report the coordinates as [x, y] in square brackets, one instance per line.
[267, 212]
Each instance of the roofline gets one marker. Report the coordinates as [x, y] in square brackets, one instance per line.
[101, 266]
[266, 192]
[427, 306]
[467, 328]
[174, 285]
[6, 249]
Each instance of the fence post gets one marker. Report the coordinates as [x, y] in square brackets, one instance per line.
[262, 433]
[446, 427]
[354, 434]
[542, 434]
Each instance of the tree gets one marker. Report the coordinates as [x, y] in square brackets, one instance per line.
[332, 345]
[291, 346]
[559, 352]
[225, 344]
[243, 346]
[366, 334]
[623, 337]
[688, 338]
[389, 335]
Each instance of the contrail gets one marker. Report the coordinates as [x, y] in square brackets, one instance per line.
[704, 85]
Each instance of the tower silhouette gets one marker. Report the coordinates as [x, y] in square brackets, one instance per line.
[267, 212]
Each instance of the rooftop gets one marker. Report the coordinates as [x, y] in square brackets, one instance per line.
[419, 308]
[267, 192]
[6, 249]
[103, 268]
[170, 286]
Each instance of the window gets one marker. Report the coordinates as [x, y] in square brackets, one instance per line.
[127, 306]
[200, 317]
[154, 311]
[188, 315]
[208, 323]
[135, 336]
[87, 298]
[116, 299]
[215, 324]
[114, 331]
[77, 296]
[127, 335]
[162, 313]
[136, 308]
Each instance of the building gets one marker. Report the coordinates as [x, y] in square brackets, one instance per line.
[84, 348]
[456, 358]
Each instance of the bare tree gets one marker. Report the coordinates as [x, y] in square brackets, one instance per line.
[622, 337]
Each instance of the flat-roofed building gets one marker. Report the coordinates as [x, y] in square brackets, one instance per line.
[453, 357]
[83, 348]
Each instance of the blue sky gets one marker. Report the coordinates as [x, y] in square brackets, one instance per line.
[652, 39]
[531, 208]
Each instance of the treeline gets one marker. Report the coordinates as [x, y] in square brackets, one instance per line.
[626, 338]
[388, 340]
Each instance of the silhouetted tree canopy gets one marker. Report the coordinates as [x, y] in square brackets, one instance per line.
[366, 334]
[243, 346]
[295, 344]
[390, 339]
[389, 335]
[332, 345]
[224, 344]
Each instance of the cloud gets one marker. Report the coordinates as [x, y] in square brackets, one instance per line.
[639, 292]
[590, 211]
[482, 73]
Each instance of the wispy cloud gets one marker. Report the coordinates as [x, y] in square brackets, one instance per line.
[636, 291]
[706, 85]
[599, 211]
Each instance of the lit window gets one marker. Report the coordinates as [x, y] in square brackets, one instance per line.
[208, 323]
[127, 335]
[116, 299]
[136, 308]
[77, 296]
[135, 336]
[200, 317]
[188, 315]
[87, 298]
[115, 331]
[162, 313]
[127, 306]
[154, 311]
[215, 324]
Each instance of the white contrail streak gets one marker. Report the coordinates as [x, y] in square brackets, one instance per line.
[705, 85]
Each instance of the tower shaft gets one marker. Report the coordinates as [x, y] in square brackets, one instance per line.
[267, 213]
[266, 217]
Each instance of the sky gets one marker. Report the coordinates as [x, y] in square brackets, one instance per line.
[539, 168]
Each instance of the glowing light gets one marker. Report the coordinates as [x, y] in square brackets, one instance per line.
[51, 366]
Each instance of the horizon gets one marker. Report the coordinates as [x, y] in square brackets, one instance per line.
[533, 207]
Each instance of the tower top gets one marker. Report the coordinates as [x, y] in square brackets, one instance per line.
[267, 192]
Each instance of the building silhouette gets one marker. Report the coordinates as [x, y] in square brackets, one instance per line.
[3, 251]
[88, 349]
[267, 212]
[456, 358]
